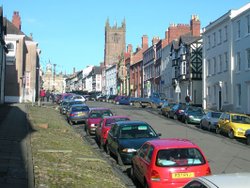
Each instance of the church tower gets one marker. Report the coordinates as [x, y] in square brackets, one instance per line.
[115, 42]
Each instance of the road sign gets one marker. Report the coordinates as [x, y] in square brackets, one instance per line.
[177, 89]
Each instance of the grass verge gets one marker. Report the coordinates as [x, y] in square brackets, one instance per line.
[60, 156]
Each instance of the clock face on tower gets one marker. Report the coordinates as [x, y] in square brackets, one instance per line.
[116, 38]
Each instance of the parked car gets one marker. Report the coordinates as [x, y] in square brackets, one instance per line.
[78, 113]
[176, 111]
[235, 125]
[103, 128]
[232, 180]
[125, 100]
[95, 117]
[62, 106]
[125, 137]
[111, 98]
[101, 98]
[247, 135]
[192, 114]
[117, 99]
[70, 103]
[210, 120]
[169, 162]
[77, 98]
[165, 108]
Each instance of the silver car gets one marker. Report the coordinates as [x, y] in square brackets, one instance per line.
[210, 120]
[233, 180]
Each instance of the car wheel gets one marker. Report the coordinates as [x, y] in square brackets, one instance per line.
[71, 122]
[248, 140]
[175, 117]
[167, 115]
[231, 134]
[132, 173]
[201, 126]
[209, 127]
[185, 121]
[217, 130]
[119, 159]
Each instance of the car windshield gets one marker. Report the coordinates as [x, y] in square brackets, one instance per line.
[240, 119]
[100, 113]
[80, 108]
[137, 131]
[215, 115]
[179, 157]
[196, 111]
[113, 120]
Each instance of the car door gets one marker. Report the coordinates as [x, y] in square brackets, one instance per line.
[139, 165]
[206, 119]
[225, 122]
[113, 141]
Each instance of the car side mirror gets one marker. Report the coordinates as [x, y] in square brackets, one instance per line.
[159, 134]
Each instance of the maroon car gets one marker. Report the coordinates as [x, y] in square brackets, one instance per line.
[95, 117]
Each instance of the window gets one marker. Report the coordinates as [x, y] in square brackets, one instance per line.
[238, 29]
[226, 34]
[215, 66]
[143, 151]
[209, 67]
[225, 92]
[238, 95]
[208, 42]
[214, 94]
[226, 61]
[220, 36]
[238, 62]
[214, 36]
[248, 58]
[10, 47]
[248, 24]
[220, 63]
[183, 67]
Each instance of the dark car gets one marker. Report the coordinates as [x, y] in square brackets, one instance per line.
[210, 120]
[78, 113]
[247, 134]
[111, 98]
[70, 103]
[166, 107]
[95, 117]
[62, 106]
[117, 99]
[124, 100]
[126, 137]
[176, 111]
[102, 98]
[192, 114]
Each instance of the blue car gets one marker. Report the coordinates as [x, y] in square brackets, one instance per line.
[78, 113]
[247, 134]
[125, 100]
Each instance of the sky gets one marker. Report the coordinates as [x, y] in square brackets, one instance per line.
[71, 34]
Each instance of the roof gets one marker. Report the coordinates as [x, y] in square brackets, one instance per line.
[12, 29]
[116, 117]
[172, 143]
[188, 39]
[232, 180]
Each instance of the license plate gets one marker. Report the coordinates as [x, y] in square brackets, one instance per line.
[80, 114]
[183, 175]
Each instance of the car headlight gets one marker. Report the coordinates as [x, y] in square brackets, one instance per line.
[191, 116]
[92, 125]
[129, 150]
[240, 129]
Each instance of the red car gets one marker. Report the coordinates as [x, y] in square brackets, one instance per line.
[95, 117]
[168, 163]
[104, 127]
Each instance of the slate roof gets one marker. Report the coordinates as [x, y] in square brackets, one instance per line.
[12, 29]
[188, 39]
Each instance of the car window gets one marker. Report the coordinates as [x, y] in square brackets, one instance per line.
[143, 150]
[80, 108]
[111, 132]
[106, 113]
[95, 115]
[137, 131]
[240, 119]
[195, 184]
[215, 114]
[179, 157]
[148, 156]
[113, 120]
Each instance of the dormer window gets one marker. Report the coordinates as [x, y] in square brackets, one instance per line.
[10, 47]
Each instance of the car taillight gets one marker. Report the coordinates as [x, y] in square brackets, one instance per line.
[208, 171]
[155, 176]
[179, 111]
[71, 115]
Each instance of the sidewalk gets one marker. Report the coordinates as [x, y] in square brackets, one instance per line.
[16, 167]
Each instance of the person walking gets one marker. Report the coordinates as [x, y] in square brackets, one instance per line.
[42, 94]
[47, 95]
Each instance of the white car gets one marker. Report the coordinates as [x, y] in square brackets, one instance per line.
[233, 180]
[78, 98]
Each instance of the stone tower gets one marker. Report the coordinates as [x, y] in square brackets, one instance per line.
[115, 42]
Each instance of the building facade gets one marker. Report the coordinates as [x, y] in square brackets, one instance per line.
[226, 62]
[111, 80]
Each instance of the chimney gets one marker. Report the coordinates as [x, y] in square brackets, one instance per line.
[74, 70]
[195, 25]
[16, 20]
[155, 40]
[144, 42]
[129, 48]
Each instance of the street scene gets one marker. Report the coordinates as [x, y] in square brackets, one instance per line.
[125, 99]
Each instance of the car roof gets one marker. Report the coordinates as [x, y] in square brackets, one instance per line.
[99, 108]
[114, 117]
[127, 123]
[164, 143]
[232, 180]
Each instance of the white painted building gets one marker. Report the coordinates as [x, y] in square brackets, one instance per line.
[111, 80]
[226, 62]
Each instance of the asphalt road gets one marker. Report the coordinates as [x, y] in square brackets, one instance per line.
[225, 155]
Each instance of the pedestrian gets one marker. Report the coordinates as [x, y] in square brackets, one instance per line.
[47, 95]
[42, 94]
[52, 95]
[187, 99]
